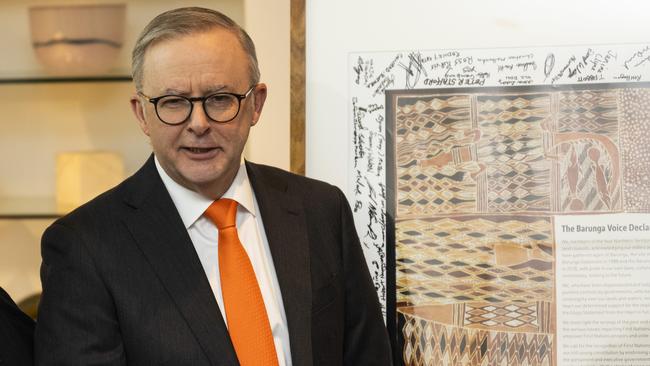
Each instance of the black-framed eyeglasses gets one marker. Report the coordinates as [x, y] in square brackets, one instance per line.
[176, 109]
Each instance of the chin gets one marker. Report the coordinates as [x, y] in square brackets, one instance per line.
[203, 176]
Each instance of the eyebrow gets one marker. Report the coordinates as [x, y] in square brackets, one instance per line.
[173, 91]
[183, 92]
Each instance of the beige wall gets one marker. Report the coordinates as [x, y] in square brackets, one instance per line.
[39, 120]
[268, 24]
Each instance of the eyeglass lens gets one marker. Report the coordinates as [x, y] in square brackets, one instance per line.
[176, 109]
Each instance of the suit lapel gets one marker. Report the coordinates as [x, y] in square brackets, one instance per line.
[285, 227]
[159, 232]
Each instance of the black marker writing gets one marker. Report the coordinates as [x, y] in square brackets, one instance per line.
[548, 65]
[414, 68]
[636, 55]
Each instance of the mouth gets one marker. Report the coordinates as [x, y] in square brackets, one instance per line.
[200, 152]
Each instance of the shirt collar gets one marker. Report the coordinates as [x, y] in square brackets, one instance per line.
[191, 205]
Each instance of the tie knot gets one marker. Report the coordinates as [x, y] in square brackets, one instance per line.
[222, 212]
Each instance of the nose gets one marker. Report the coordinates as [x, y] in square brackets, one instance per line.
[199, 122]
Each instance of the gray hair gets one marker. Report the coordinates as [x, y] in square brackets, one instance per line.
[185, 21]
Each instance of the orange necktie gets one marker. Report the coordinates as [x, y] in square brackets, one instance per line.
[248, 323]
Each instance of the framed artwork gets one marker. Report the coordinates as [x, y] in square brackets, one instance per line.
[497, 173]
[486, 178]
[476, 177]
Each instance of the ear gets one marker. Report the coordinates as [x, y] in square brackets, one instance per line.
[259, 98]
[138, 110]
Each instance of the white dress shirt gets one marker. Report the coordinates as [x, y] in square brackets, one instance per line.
[250, 228]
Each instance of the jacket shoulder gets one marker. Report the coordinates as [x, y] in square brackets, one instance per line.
[295, 184]
[98, 210]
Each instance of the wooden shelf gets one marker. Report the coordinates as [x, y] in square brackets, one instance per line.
[24, 208]
[61, 79]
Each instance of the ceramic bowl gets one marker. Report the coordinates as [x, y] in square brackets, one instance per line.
[77, 39]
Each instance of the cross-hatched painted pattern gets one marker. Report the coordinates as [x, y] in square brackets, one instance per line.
[428, 191]
[456, 259]
[510, 316]
[587, 150]
[511, 145]
[430, 343]
[429, 127]
[635, 141]
[501, 154]
[588, 181]
[589, 111]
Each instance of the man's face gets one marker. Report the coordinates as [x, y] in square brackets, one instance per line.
[200, 154]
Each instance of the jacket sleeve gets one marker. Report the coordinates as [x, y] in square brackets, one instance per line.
[366, 337]
[77, 321]
[16, 333]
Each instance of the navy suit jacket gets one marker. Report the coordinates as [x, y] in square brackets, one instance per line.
[123, 285]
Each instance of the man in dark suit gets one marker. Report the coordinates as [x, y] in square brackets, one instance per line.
[138, 277]
[16, 333]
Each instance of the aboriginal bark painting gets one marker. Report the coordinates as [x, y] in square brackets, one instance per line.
[474, 178]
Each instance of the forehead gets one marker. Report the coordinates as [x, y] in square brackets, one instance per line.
[196, 61]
